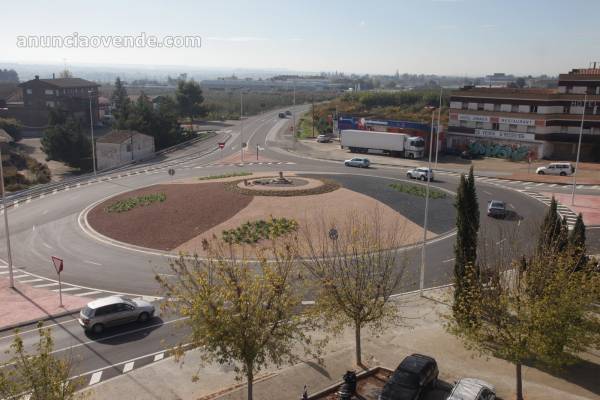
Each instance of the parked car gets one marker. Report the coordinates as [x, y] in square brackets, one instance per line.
[496, 208]
[414, 374]
[420, 173]
[358, 162]
[281, 115]
[112, 311]
[323, 139]
[472, 389]
[288, 112]
[562, 169]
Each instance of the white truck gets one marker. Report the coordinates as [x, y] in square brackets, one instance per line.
[394, 144]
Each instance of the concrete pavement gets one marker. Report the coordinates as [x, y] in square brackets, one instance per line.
[424, 334]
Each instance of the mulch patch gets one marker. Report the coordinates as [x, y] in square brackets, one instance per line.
[188, 211]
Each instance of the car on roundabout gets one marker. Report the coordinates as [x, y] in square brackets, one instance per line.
[496, 208]
[113, 311]
[420, 173]
[472, 389]
[358, 162]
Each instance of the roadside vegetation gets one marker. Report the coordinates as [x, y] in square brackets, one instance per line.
[223, 176]
[253, 231]
[418, 190]
[133, 202]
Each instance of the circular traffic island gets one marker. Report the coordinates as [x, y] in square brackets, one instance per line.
[179, 216]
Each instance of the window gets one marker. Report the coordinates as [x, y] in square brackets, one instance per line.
[465, 106]
[512, 127]
[128, 147]
[29, 91]
[534, 109]
[514, 108]
[496, 107]
[49, 91]
[495, 126]
[531, 129]
[478, 124]
[480, 106]
[564, 129]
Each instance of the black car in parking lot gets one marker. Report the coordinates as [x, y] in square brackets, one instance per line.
[415, 373]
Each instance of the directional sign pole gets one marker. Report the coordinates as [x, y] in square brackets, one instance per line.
[256, 152]
[58, 266]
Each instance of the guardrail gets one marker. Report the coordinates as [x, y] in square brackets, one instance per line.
[104, 175]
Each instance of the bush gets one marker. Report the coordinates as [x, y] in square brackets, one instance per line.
[133, 202]
[230, 175]
[252, 232]
[418, 190]
[12, 127]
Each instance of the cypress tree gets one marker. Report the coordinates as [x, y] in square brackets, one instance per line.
[553, 232]
[577, 242]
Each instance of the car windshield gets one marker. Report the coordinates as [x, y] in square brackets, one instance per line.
[128, 301]
[497, 204]
[88, 312]
[417, 142]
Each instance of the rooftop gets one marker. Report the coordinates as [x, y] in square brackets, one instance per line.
[581, 74]
[117, 136]
[64, 82]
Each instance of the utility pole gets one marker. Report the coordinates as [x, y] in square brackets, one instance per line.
[437, 140]
[5, 210]
[90, 93]
[422, 274]
[242, 126]
[313, 115]
[578, 150]
[294, 111]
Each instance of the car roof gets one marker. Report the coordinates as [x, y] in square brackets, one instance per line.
[415, 362]
[105, 301]
[496, 202]
[469, 388]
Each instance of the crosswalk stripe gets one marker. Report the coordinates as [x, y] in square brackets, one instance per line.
[553, 185]
[46, 284]
[4, 272]
[88, 293]
[159, 356]
[580, 186]
[128, 367]
[69, 289]
[21, 276]
[96, 376]
[31, 280]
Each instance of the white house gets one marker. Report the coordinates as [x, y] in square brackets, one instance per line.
[119, 147]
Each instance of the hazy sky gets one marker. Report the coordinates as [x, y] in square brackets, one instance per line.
[460, 37]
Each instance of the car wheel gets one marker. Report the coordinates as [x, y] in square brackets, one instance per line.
[563, 174]
[143, 317]
[423, 178]
[541, 173]
[98, 328]
[346, 164]
[409, 176]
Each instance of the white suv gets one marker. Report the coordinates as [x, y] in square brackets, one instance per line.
[421, 173]
[562, 169]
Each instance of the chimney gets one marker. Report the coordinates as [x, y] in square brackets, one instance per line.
[37, 77]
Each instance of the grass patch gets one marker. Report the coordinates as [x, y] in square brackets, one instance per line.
[133, 202]
[305, 127]
[418, 190]
[230, 175]
[252, 232]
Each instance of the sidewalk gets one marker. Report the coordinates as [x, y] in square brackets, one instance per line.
[167, 380]
[587, 205]
[588, 174]
[28, 304]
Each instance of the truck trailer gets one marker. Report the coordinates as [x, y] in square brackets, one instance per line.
[394, 144]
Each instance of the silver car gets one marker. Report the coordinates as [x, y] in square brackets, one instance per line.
[357, 162]
[112, 311]
[421, 173]
[472, 389]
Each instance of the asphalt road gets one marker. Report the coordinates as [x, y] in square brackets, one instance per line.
[51, 226]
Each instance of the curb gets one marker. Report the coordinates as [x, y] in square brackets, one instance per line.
[11, 327]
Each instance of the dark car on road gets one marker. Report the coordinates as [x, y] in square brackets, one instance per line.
[408, 382]
[496, 208]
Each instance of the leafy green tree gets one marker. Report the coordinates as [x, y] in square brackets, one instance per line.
[120, 102]
[39, 374]
[356, 274]
[237, 311]
[12, 127]
[553, 232]
[533, 310]
[189, 98]
[66, 142]
[465, 249]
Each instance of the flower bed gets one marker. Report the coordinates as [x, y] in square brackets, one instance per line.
[133, 202]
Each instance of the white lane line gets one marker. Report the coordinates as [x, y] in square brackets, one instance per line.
[31, 280]
[128, 367]
[4, 272]
[86, 294]
[46, 284]
[501, 241]
[580, 186]
[449, 260]
[486, 192]
[519, 223]
[539, 184]
[47, 245]
[28, 200]
[91, 262]
[553, 185]
[159, 356]
[21, 276]
[69, 289]
[96, 376]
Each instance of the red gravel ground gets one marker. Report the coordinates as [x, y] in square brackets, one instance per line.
[188, 210]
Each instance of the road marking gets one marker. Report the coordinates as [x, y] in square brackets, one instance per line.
[16, 204]
[4, 272]
[580, 186]
[88, 293]
[91, 262]
[486, 192]
[70, 289]
[449, 260]
[47, 245]
[96, 376]
[159, 356]
[20, 276]
[501, 241]
[46, 284]
[28, 200]
[54, 191]
[128, 367]
[553, 185]
[519, 223]
[31, 280]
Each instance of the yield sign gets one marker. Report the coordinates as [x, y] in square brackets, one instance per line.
[58, 264]
[221, 145]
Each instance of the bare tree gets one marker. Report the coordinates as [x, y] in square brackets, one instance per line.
[239, 310]
[357, 269]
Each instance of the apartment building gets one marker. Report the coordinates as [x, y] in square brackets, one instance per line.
[523, 123]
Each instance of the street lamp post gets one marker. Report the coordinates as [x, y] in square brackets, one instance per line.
[422, 274]
[90, 93]
[242, 126]
[578, 151]
[437, 134]
[8, 251]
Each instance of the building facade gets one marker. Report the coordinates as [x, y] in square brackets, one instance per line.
[522, 123]
[120, 147]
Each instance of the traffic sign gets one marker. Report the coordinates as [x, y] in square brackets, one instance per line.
[221, 145]
[171, 171]
[58, 264]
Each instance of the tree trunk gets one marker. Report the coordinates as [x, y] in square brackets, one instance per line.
[519, 382]
[250, 377]
[358, 347]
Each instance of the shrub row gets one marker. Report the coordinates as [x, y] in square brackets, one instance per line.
[230, 175]
[132, 202]
[418, 190]
[252, 232]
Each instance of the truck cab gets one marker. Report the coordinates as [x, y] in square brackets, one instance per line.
[415, 147]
